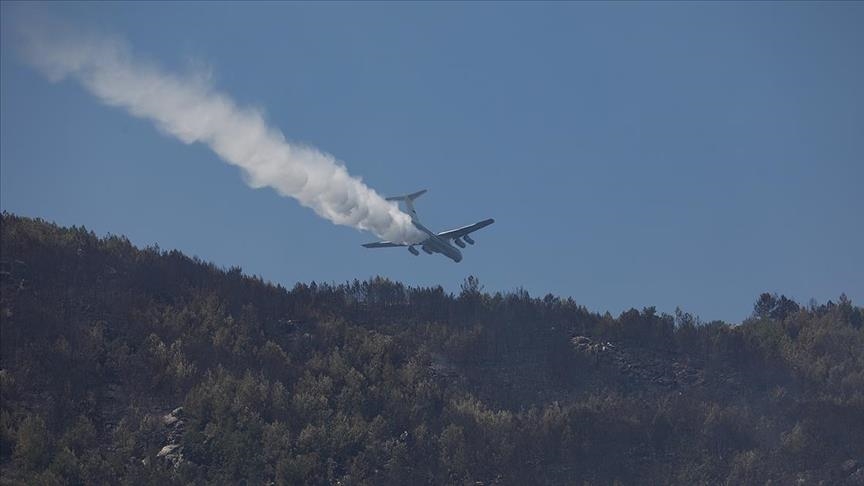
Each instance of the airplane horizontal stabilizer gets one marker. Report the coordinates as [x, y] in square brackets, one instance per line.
[408, 197]
[408, 200]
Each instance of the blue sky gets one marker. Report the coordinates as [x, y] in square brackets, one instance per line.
[633, 154]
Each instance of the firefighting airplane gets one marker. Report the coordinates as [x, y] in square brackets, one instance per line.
[435, 243]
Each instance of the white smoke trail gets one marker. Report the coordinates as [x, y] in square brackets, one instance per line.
[187, 108]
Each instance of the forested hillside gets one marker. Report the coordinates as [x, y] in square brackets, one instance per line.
[142, 366]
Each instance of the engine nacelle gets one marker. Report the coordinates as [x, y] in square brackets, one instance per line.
[413, 251]
[468, 239]
[428, 251]
[459, 243]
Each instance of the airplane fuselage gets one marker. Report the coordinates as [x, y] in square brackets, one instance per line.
[434, 244]
[438, 245]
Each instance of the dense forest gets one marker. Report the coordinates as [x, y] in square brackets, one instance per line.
[122, 365]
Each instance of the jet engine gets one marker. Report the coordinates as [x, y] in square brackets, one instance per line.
[413, 250]
[459, 243]
[468, 239]
[427, 250]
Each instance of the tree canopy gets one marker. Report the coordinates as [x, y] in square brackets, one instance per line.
[127, 365]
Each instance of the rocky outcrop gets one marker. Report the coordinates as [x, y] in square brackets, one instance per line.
[172, 451]
[852, 471]
[639, 364]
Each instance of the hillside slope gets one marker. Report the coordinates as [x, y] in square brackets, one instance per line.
[126, 365]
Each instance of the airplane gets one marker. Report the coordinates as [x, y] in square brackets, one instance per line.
[435, 243]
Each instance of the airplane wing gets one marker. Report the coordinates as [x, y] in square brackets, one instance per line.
[383, 244]
[460, 232]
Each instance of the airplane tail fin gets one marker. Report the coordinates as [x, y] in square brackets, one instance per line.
[409, 202]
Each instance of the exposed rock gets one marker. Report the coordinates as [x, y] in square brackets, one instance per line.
[168, 450]
[857, 477]
[173, 417]
[585, 344]
[581, 341]
[853, 471]
[172, 451]
[635, 364]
